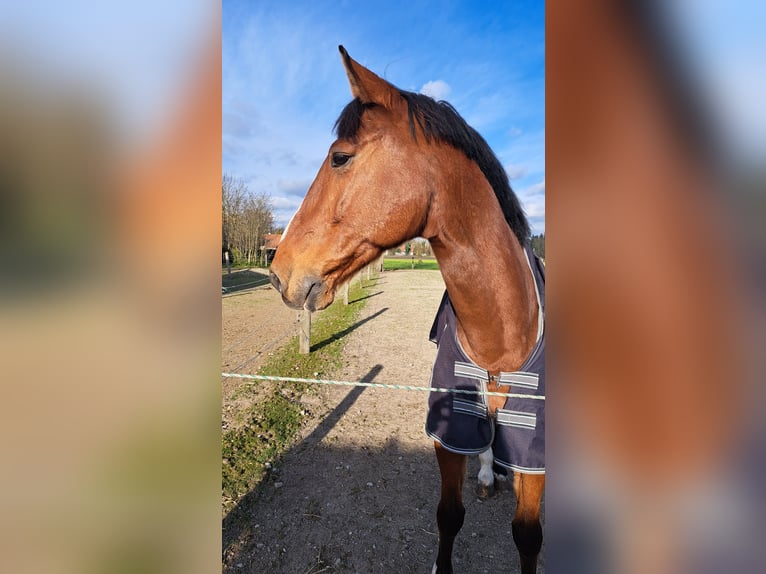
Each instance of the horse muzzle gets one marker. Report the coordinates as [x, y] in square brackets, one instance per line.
[309, 293]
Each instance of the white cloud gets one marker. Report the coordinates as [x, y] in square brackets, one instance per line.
[534, 209]
[286, 204]
[515, 171]
[535, 189]
[295, 187]
[533, 201]
[437, 89]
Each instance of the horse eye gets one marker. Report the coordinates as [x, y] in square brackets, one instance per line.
[338, 159]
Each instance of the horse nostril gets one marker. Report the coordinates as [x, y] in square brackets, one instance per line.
[275, 281]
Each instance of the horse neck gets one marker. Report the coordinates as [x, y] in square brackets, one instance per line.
[485, 270]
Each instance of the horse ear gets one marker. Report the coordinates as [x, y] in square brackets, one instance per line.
[365, 85]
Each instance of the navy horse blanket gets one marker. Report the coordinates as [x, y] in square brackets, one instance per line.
[461, 422]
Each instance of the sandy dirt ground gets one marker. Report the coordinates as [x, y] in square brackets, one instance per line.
[358, 491]
[255, 323]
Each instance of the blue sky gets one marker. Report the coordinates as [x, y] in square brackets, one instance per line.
[284, 85]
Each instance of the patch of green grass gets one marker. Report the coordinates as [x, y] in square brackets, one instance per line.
[328, 329]
[271, 424]
[406, 263]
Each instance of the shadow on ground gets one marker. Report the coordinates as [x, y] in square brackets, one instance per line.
[347, 330]
[244, 279]
[367, 296]
[339, 505]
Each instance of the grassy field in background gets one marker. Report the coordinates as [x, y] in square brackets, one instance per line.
[393, 264]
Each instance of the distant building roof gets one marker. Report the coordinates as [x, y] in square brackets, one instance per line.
[271, 240]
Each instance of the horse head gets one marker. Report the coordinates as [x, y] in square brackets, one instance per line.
[370, 194]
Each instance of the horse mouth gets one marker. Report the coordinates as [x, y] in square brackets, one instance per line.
[313, 295]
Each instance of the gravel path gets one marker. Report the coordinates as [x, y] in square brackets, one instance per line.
[358, 492]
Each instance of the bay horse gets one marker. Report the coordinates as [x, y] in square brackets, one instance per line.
[405, 166]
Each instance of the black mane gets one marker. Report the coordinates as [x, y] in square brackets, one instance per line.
[440, 121]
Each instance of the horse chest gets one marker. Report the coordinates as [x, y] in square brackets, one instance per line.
[469, 423]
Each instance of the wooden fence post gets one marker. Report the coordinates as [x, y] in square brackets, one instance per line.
[304, 332]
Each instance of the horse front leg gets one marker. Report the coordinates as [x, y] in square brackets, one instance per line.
[450, 514]
[526, 527]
